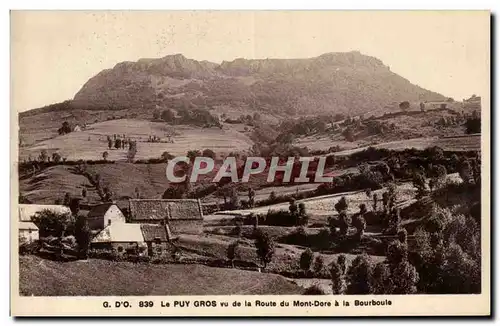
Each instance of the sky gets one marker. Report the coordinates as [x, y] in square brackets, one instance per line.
[54, 53]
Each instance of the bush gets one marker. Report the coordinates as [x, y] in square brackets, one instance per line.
[265, 247]
[306, 259]
[319, 264]
[359, 276]
[337, 276]
[314, 290]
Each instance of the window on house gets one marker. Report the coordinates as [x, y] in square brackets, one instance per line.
[109, 222]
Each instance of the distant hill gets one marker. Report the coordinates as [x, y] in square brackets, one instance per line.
[331, 83]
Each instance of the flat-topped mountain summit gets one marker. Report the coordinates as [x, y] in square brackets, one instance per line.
[330, 83]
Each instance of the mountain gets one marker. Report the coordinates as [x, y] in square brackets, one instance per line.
[331, 83]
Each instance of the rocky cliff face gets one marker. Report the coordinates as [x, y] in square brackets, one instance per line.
[331, 83]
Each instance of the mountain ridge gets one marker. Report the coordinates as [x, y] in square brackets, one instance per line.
[335, 82]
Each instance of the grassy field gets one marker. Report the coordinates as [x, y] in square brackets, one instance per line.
[42, 277]
[90, 143]
[122, 178]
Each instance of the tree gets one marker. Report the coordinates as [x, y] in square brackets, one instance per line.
[306, 259]
[403, 236]
[232, 252]
[465, 171]
[110, 143]
[192, 154]
[43, 155]
[65, 128]
[318, 265]
[108, 195]
[359, 275]
[337, 277]
[303, 217]
[51, 223]
[342, 261]
[234, 200]
[168, 115]
[419, 183]
[375, 201]
[132, 151]
[265, 247]
[208, 153]
[404, 278]
[473, 125]
[82, 236]
[272, 197]
[251, 197]
[381, 279]
[358, 221]
[404, 106]
[344, 222]
[56, 157]
[74, 206]
[156, 115]
[118, 143]
[341, 205]
[166, 156]
[105, 155]
[67, 199]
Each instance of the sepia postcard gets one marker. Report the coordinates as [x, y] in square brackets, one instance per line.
[250, 163]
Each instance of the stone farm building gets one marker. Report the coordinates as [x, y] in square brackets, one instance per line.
[143, 239]
[157, 238]
[121, 237]
[103, 215]
[178, 215]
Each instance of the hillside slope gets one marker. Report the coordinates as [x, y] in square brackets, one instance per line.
[41, 277]
[333, 83]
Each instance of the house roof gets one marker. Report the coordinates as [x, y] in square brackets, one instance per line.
[159, 209]
[152, 232]
[27, 211]
[27, 226]
[99, 210]
[120, 232]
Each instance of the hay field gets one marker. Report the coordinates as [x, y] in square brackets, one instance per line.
[90, 143]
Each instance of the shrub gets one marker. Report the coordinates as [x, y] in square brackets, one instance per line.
[381, 279]
[232, 252]
[306, 259]
[314, 290]
[359, 276]
[318, 265]
[265, 247]
[337, 276]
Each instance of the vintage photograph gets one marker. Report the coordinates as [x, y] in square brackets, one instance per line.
[250, 152]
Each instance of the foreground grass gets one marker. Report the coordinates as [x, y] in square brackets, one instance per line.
[41, 277]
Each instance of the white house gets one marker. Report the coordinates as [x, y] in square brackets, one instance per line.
[28, 232]
[103, 215]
